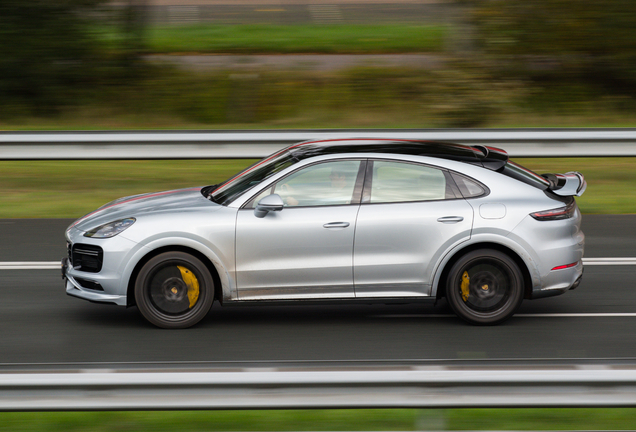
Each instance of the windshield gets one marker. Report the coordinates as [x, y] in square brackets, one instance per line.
[252, 176]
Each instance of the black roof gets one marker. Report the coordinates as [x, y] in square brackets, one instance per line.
[488, 157]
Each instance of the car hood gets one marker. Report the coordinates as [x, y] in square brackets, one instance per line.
[138, 205]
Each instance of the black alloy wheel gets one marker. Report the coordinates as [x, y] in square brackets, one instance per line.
[485, 287]
[174, 290]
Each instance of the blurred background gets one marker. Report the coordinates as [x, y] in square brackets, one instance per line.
[95, 64]
[267, 64]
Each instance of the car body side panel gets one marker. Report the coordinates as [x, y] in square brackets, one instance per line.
[210, 233]
[398, 245]
[554, 243]
[483, 239]
[541, 245]
[290, 254]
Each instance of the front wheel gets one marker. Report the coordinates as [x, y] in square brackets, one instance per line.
[485, 287]
[174, 290]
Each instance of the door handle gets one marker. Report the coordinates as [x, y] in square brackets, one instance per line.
[336, 225]
[450, 219]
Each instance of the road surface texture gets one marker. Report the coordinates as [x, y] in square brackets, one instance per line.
[43, 328]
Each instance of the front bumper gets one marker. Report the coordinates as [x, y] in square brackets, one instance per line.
[106, 283]
[75, 289]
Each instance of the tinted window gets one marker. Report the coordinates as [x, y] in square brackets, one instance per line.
[468, 187]
[404, 182]
[520, 173]
[329, 183]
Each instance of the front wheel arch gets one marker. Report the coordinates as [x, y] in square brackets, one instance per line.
[130, 290]
[525, 272]
[174, 290]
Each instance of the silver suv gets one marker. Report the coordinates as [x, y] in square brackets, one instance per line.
[366, 220]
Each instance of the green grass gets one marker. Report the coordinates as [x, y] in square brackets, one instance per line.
[52, 189]
[268, 38]
[69, 189]
[165, 97]
[324, 420]
[611, 182]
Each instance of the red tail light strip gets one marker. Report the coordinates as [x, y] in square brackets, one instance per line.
[561, 267]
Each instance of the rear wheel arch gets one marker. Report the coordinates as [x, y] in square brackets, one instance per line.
[525, 272]
[130, 291]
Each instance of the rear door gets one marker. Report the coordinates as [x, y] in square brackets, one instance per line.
[410, 214]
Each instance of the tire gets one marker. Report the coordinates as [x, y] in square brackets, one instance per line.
[485, 287]
[174, 290]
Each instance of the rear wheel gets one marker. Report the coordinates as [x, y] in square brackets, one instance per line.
[485, 287]
[174, 290]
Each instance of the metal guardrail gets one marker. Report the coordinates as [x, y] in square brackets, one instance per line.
[414, 388]
[259, 143]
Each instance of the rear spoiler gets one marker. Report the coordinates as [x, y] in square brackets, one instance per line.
[569, 184]
[492, 158]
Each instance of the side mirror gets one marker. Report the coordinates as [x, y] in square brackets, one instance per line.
[270, 203]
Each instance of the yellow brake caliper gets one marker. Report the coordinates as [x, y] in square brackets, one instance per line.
[465, 284]
[192, 283]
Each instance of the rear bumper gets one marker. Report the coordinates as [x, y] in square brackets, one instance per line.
[550, 246]
[562, 280]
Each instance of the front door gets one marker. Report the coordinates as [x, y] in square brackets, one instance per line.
[304, 251]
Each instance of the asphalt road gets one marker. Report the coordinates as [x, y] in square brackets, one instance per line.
[41, 327]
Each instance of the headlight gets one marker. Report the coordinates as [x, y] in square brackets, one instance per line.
[110, 229]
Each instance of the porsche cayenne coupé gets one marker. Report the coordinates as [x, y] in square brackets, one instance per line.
[362, 220]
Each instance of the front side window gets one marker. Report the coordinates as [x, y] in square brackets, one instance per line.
[406, 182]
[329, 183]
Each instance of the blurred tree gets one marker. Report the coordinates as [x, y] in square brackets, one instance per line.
[47, 48]
[134, 31]
[585, 41]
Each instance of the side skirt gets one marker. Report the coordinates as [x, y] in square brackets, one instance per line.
[367, 301]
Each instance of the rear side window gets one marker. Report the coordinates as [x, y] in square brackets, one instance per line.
[522, 174]
[407, 182]
[469, 187]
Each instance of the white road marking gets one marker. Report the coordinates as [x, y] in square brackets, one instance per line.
[521, 315]
[31, 265]
[571, 315]
[53, 265]
[608, 261]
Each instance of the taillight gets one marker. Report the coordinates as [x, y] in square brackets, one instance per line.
[555, 214]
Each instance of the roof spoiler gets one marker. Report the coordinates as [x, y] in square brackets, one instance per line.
[492, 158]
[569, 184]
